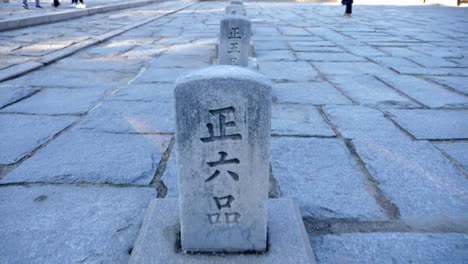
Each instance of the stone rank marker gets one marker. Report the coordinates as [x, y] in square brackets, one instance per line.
[223, 118]
[235, 9]
[223, 138]
[234, 40]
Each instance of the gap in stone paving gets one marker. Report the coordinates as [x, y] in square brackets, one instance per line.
[423, 106]
[157, 181]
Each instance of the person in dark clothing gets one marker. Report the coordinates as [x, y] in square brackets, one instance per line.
[349, 7]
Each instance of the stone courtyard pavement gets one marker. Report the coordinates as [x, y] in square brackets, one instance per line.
[369, 127]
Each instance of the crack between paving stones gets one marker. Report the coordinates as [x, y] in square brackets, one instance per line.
[372, 185]
[22, 98]
[328, 121]
[75, 184]
[452, 160]
[389, 118]
[401, 93]
[157, 181]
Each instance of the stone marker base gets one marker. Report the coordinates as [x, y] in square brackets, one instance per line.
[157, 241]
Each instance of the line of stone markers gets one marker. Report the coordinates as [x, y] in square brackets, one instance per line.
[223, 125]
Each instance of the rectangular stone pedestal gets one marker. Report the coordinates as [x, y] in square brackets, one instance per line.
[157, 241]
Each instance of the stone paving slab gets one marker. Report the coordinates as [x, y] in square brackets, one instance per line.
[298, 120]
[59, 101]
[289, 71]
[94, 158]
[322, 177]
[312, 93]
[22, 134]
[158, 92]
[456, 150]
[69, 224]
[427, 93]
[457, 83]
[131, 117]
[428, 190]
[10, 94]
[361, 122]
[391, 248]
[432, 124]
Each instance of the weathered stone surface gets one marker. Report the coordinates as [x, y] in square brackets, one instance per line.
[169, 178]
[288, 241]
[131, 117]
[351, 68]
[391, 248]
[323, 178]
[288, 70]
[368, 91]
[223, 133]
[59, 101]
[94, 158]
[458, 83]
[9, 95]
[329, 57]
[235, 10]
[425, 92]
[274, 55]
[58, 224]
[418, 179]
[457, 150]
[21, 134]
[315, 93]
[432, 124]
[362, 122]
[164, 75]
[73, 79]
[234, 40]
[298, 120]
[148, 92]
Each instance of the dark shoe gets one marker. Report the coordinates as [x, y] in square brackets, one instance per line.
[25, 5]
[38, 7]
[55, 4]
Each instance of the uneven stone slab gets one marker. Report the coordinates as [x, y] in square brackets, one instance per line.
[392, 62]
[323, 178]
[131, 117]
[432, 71]
[362, 122]
[298, 120]
[274, 55]
[457, 150]
[73, 79]
[391, 248]
[148, 92]
[22, 134]
[59, 101]
[328, 57]
[65, 224]
[458, 83]
[293, 71]
[94, 158]
[351, 68]
[164, 75]
[432, 124]
[315, 93]
[9, 95]
[288, 241]
[99, 64]
[425, 92]
[432, 62]
[419, 180]
[170, 178]
[368, 91]
[170, 60]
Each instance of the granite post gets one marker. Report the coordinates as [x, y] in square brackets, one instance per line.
[235, 10]
[237, 2]
[234, 40]
[223, 137]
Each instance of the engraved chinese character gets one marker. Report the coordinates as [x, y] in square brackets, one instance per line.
[233, 47]
[232, 218]
[214, 218]
[223, 161]
[224, 201]
[233, 60]
[234, 33]
[222, 126]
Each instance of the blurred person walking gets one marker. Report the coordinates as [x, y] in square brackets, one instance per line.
[25, 4]
[349, 7]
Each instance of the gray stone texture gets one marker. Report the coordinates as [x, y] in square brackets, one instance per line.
[425, 92]
[10, 95]
[22, 134]
[315, 93]
[298, 120]
[148, 92]
[419, 180]
[433, 124]
[457, 150]
[94, 158]
[458, 83]
[65, 224]
[223, 118]
[323, 178]
[288, 241]
[234, 39]
[288, 71]
[55, 101]
[392, 248]
[131, 117]
[362, 122]
[368, 91]
[235, 10]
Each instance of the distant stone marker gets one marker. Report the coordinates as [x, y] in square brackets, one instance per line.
[234, 41]
[235, 10]
[223, 137]
[236, 2]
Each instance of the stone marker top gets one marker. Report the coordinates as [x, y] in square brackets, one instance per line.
[219, 71]
[236, 2]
